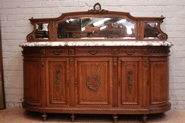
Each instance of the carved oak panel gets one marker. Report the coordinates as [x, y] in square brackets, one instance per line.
[159, 81]
[58, 82]
[33, 82]
[129, 81]
[93, 81]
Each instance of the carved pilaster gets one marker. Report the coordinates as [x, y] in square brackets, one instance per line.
[71, 61]
[43, 62]
[145, 61]
[140, 30]
[52, 29]
[115, 61]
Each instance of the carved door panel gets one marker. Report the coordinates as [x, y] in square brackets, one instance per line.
[129, 81]
[32, 86]
[159, 81]
[93, 82]
[57, 81]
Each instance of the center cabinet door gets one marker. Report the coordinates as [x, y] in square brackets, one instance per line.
[129, 81]
[93, 82]
[57, 73]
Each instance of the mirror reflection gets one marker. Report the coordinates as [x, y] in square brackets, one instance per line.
[42, 31]
[151, 30]
[96, 28]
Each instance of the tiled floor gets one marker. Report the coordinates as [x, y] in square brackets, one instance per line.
[19, 115]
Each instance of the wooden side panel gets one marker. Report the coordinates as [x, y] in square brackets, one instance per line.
[93, 81]
[159, 81]
[32, 81]
[57, 82]
[129, 81]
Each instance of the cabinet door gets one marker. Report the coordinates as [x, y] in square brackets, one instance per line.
[32, 89]
[93, 81]
[159, 86]
[57, 81]
[129, 81]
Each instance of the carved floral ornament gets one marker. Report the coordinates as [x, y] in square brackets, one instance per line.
[97, 23]
[90, 86]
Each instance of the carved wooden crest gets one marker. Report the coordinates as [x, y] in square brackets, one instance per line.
[97, 9]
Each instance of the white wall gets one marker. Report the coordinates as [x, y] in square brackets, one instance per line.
[14, 15]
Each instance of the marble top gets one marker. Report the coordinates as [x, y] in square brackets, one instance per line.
[97, 43]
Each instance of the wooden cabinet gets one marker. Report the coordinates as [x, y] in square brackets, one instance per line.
[100, 83]
[118, 66]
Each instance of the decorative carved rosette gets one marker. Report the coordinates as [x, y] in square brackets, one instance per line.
[162, 36]
[30, 37]
[71, 51]
[93, 52]
[57, 52]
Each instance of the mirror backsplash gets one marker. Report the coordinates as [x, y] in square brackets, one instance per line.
[99, 28]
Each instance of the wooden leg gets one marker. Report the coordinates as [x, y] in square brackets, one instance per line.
[115, 117]
[72, 118]
[144, 118]
[44, 116]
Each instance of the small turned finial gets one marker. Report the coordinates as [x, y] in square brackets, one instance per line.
[31, 20]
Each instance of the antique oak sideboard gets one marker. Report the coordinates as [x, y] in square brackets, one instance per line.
[96, 62]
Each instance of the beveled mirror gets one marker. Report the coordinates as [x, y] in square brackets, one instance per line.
[96, 27]
[42, 31]
[151, 30]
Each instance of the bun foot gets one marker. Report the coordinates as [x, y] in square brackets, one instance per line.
[115, 117]
[44, 116]
[144, 118]
[72, 118]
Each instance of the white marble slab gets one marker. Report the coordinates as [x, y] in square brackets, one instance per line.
[97, 43]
